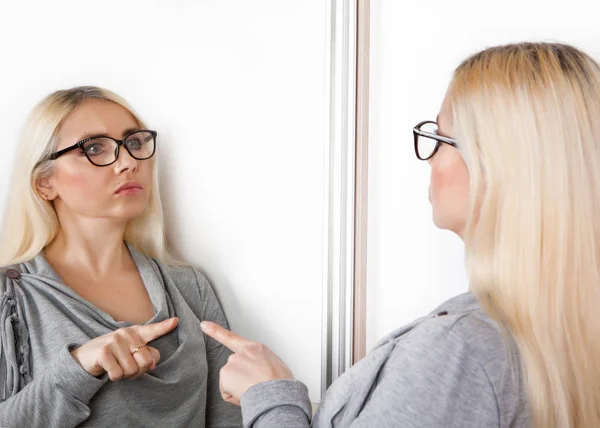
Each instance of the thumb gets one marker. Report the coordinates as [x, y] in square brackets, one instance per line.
[150, 332]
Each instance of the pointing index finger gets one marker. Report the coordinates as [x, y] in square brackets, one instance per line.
[231, 340]
[150, 332]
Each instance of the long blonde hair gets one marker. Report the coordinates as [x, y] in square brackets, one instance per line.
[30, 221]
[527, 117]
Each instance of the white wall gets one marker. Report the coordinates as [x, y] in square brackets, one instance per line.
[236, 90]
[415, 46]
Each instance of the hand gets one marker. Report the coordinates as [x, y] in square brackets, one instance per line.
[250, 364]
[115, 354]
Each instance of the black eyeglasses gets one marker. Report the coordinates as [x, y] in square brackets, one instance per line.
[428, 141]
[104, 151]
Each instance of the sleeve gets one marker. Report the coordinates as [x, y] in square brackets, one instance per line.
[431, 379]
[219, 413]
[278, 403]
[58, 397]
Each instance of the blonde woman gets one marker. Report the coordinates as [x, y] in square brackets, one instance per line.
[515, 172]
[99, 326]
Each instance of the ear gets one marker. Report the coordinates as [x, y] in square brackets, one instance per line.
[45, 189]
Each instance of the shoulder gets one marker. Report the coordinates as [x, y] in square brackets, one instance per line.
[457, 332]
[184, 276]
[195, 289]
[465, 323]
[463, 350]
[457, 323]
[189, 281]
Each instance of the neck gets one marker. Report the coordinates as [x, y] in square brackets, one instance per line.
[95, 245]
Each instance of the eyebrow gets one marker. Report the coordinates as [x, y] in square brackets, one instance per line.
[98, 135]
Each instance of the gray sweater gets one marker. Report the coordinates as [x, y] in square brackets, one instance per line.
[450, 369]
[42, 385]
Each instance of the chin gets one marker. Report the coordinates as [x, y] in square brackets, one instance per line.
[440, 221]
[131, 213]
[452, 227]
[439, 224]
[435, 215]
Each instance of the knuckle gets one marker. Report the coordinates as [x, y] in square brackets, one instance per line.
[129, 374]
[130, 369]
[121, 331]
[254, 348]
[119, 337]
[223, 372]
[105, 352]
[146, 363]
[129, 333]
[115, 374]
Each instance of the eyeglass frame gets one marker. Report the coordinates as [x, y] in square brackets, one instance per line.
[417, 132]
[79, 144]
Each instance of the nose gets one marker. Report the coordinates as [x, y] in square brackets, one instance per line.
[125, 161]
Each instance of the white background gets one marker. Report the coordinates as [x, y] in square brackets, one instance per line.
[236, 91]
[415, 46]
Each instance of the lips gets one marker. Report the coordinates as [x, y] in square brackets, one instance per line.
[131, 186]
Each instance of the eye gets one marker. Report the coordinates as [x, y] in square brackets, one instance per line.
[97, 146]
[94, 149]
[140, 141]
[134, 143]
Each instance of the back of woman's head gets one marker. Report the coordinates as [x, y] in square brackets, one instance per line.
[527, 117]
[30, 221]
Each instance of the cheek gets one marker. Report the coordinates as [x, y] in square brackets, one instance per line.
[449, 175]
[145, 175]
[449, 189]
[145, 172]
[77, 181]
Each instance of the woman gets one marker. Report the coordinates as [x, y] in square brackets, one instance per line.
[514, 172]
[99, 326]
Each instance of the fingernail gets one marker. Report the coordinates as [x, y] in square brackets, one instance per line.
[205, 325]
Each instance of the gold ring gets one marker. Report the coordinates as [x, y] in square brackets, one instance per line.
[138, 348]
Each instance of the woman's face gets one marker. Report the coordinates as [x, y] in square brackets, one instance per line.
[79, 188]
[449, 185]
